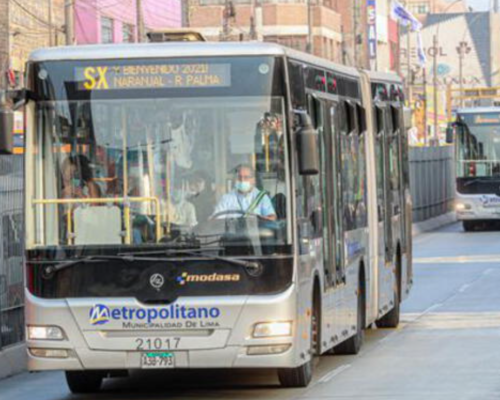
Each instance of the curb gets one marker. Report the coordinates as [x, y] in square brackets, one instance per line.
[433, 223]
[13, 360]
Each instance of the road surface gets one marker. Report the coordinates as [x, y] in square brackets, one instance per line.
[447, 347]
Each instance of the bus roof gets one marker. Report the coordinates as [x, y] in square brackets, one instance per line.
[475, 110]
[385, 77]
[182, 49]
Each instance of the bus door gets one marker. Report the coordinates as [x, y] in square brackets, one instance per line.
[394, 160]
[326, 220]
[384, 214]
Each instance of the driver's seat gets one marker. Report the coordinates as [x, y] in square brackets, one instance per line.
[279, 204]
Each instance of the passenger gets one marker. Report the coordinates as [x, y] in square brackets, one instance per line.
[77, 179]
[182, 210]
[201, 195]
[245, 199]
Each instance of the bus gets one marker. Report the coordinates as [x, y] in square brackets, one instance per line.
[476, 137]
[143, 250]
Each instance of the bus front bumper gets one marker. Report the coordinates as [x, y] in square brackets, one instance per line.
[230, 344]
[228, 357]
[477, 207]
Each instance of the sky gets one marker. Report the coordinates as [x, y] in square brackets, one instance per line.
[479, 5]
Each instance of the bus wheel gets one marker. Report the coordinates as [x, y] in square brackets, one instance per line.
[469, 226]
[302, 376]
[84, 381]
[353, 345]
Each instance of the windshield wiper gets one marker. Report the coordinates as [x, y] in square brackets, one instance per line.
[50, 270]
[468, 183]
[254, 268]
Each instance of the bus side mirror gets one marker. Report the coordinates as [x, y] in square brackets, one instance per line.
[3, 284]
[307, 145]
[449, 133]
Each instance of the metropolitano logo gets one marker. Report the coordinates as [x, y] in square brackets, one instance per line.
[99, 314]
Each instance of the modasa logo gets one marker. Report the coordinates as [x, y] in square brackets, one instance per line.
[185, 278]
[99, 314]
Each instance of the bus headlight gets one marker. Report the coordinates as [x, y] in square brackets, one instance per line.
[272, 329]
[45, 333]
[462, 206]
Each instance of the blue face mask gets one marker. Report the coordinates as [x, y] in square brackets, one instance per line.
[243, 187]
[76, 182]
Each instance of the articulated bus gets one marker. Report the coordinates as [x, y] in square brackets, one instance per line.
[142, 250]
[476, 136]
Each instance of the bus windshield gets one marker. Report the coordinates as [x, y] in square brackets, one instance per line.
[207, 170]
[478, 145]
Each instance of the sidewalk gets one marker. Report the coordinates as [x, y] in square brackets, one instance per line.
[12, 360]
[433, 223]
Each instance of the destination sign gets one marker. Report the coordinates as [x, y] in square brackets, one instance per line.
[487, 119]
[153, 76]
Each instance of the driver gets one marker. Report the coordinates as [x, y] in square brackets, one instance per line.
[245, 199]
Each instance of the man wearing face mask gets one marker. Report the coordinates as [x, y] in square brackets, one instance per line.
[77, 179]
[245, 200]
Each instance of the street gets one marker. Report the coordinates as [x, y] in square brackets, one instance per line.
[447, 346]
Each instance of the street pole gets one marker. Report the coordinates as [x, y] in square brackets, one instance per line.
[225, 22]
[408, 56]
[354, 34]
[253, 21]
[69, 17]
[461, 75]
[140, 21]
[435, 72]
[51, 34]
[425, 105]
[310, 45]
[186, 9]
[496, 7]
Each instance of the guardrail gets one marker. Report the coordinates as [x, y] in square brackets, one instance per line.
[11, 251]
[432, 181]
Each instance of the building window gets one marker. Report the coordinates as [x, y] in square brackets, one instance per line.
[128, 33]
[420, 8]
[106, 30]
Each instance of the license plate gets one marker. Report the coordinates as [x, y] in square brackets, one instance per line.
[152, 360]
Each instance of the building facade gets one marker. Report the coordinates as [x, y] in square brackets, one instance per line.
[422, 8]
[283, 22]
[109, 21]
[463, 51]
[333, 29]
[24, 26]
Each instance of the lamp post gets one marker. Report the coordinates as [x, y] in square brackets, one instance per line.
[435, 45]
[310, 44]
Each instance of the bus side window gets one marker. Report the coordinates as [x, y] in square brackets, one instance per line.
[379, 157]
[361, 200]
[394, 155]
[314, 197]
[349, 147]
[297, 87]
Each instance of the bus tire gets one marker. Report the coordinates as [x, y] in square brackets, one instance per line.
[353, 345]
[469, 226]
[84, 381]
[301, 376]
[391, 319]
